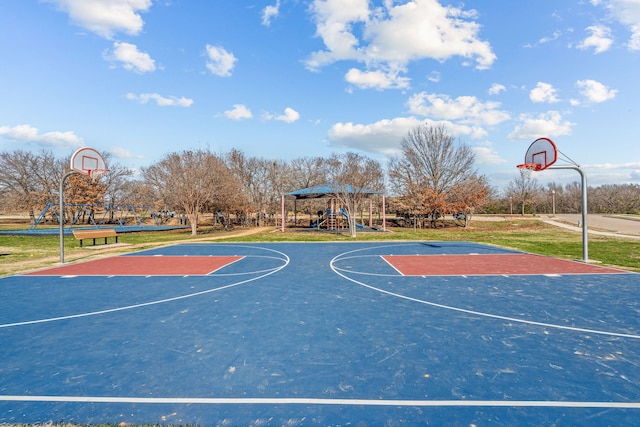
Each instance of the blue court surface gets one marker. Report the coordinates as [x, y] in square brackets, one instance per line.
[402, 333]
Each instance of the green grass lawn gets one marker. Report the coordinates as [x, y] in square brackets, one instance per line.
[26, 253]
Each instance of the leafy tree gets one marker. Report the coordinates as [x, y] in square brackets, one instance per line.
[422, 203]
[83, 190]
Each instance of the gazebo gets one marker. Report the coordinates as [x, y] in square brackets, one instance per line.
[331, 191]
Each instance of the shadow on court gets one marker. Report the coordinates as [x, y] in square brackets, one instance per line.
[322, 333]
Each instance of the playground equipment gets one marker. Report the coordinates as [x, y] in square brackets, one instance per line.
[101, 214]
[333, 218]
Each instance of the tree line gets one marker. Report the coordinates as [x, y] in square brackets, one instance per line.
[524, 195]
[433, 176]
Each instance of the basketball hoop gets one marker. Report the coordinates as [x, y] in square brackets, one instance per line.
[88, 161]
[541, 155]
[527, 168]
[85, 161]
[96, 174]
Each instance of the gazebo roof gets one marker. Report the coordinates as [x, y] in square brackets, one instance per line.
[324, 190]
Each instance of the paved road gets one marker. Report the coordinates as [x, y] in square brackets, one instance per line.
[598, 224]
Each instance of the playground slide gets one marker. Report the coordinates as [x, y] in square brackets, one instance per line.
[346, 215]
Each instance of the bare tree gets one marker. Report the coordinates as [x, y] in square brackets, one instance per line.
[115, 179]
[16, 179]
[262, 182]
[279, 174]
[436, 173]
[433, 159]
[571, 201]
[193, 181]
[615, 198]
[353, 178]
[136, 192]
[525, 190]
[307, 172]
[29, 181]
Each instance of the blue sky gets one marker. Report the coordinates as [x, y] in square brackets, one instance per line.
[283, 79]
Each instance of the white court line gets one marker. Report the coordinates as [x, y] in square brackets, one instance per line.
[314, 401]
[286, 261]
[388, 263]
[337, 270]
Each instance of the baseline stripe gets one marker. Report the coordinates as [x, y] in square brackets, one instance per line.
[312, 401]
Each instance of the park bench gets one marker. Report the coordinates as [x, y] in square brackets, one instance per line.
[95, 234]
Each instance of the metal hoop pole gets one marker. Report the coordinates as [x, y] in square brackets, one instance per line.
[585, 229]
[61, 212]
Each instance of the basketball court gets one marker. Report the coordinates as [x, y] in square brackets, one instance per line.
[401, 333]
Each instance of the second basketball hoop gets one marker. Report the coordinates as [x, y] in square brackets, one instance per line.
[541, 154]
[88, 161]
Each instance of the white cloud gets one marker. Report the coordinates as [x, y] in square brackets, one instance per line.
[543, 92]
[376, 79]
[549, 124]
[106, 17]
[486, 155]
[290, 115]
[220, 62]
[238, 112]
[426, 29]
[465, 109]
[627, 12]
[55, 139]
[496, 88]
[434, 77]
[391, 36]
[595, 91]
[123, 153]
[628, 165]
[161, 101]
[606, 173]
[600, 39]
[383, 136]
[270, 12]
[555, 36]
[131, 58]
[333, 24]
[634, 41]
